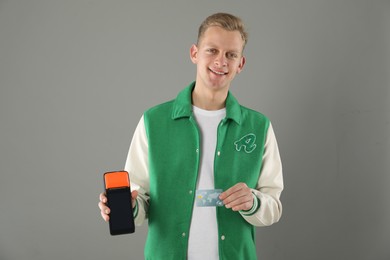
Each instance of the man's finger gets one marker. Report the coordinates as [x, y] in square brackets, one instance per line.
[239, 201]
[104, 208]
[102, 197]
[232, 190]
[104, 216]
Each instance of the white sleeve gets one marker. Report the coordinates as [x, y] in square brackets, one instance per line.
[269, 186]
[138, 168]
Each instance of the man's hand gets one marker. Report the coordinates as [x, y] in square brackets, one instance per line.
[239, 197]
[105, 211]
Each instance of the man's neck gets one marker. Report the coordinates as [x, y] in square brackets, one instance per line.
[209, 100]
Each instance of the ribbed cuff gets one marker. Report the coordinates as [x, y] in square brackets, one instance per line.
[135, 209]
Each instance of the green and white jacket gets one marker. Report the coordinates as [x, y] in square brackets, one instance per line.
[163, 162]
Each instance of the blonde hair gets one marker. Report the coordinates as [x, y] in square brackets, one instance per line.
[226, 21]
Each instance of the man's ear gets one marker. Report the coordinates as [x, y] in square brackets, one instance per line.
[194, 53]
[241, 66]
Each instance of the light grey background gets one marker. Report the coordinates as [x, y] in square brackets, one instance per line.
[75, 77]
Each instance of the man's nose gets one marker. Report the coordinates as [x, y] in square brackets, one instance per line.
[221, 60]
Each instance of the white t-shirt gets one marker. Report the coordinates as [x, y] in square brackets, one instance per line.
[203, 237]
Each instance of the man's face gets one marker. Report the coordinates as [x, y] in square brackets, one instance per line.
[218, 57]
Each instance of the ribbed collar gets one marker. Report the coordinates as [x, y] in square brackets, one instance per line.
[182, 106]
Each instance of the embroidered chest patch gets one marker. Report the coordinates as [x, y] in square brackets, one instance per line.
[246, 143]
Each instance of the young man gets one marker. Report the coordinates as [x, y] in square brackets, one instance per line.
[205, 140]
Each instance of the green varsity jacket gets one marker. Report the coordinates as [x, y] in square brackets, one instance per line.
[173, 155]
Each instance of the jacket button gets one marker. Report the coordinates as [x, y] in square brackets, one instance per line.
[219, 153]
[222, 237]
[197, 150]
[190, 191]
[184, 234]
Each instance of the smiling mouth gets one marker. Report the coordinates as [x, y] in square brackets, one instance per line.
[218, 72]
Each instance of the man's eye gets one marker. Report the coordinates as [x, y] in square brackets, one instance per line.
[211, 50]
[232, 55]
